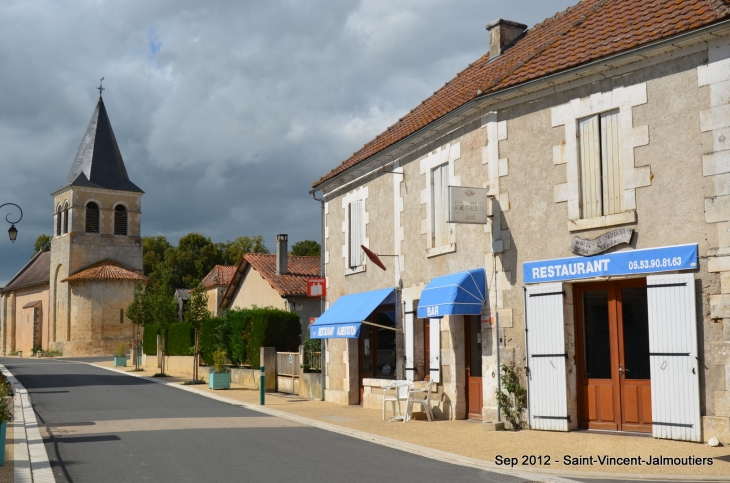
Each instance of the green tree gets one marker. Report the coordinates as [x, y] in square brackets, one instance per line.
[196, 312]
[306, 248]
[233, 251]
[153, 255]
[139, 311]
[161, 311]
[42, 243]
[187, 264]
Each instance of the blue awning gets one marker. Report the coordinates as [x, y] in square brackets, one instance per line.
[344, 318]
[457, 293]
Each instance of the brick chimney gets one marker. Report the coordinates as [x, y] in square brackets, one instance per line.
[501, 33]
[282, 254]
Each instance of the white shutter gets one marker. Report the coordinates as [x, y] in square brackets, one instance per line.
[590, 167]
[434, 364]
[611, 162]
[408, 333]
[546, 381]
[356, 233]
[675, 390]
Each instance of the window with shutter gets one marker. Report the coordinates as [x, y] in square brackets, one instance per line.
[120, 220]
[600, 165]
[440, 231]
[356, 233]
[92, 218]
[65, 218]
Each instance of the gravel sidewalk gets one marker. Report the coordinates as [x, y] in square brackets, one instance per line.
[467, 438]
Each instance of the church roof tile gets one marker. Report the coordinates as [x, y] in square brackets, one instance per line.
[106, 270]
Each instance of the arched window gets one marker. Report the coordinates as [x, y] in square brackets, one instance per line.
[65, 217]
[120, 220]
[92, 218]
[59, 215]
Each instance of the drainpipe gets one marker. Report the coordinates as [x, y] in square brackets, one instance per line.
[323, 354]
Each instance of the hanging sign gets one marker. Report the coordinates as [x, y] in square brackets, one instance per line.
[648, 260]
[581, 246]
[316, 287]
[468, 205]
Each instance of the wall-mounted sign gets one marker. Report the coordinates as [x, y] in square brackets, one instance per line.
[633, 262]
[468, 205]
[316, 287]
[581, 246]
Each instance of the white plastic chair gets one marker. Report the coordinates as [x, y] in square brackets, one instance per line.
[400, 393]
[420, 396]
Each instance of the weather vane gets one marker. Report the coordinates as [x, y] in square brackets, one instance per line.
[100, 87]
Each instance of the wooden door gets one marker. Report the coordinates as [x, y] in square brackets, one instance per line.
[612, 354]
[473, 344]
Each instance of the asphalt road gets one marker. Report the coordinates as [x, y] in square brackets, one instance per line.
[99, 426]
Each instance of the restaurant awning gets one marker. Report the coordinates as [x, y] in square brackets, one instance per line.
[344, 318]
[457, 293]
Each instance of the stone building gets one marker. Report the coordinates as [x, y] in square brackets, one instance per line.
[215, 284]
[274, 280]
[586, 161]
[96, 250]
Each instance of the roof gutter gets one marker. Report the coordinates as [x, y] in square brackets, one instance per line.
[495, 96]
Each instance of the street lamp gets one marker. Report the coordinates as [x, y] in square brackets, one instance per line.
[12, 231]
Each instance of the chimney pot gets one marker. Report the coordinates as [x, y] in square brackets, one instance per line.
[501, 34]
[282, 254]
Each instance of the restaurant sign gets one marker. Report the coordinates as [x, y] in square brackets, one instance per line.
[630, 262]
[468, 205]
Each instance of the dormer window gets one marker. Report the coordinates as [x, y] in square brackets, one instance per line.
[92, 218]
[120, 220]
[65, 217]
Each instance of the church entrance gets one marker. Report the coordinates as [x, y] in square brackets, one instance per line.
[612, 355]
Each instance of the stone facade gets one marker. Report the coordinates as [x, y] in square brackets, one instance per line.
[674, 125]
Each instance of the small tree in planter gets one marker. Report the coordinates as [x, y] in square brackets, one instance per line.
[196, 312]
[6, 412]
[120, 356]
[220, 375]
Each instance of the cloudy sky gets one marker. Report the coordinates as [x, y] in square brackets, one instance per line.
[225, 111]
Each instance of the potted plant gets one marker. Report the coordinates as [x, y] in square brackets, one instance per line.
[6, 412]
[219, 376]
[120, 356]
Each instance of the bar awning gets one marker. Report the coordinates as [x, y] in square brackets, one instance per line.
[344, 318]
[456, 293]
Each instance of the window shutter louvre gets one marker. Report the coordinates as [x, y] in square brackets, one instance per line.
[439, 195]
[675, 393]
[120, 220]
[590, 167]
[547, 389]
[408, 340]
[356, 233]
[434, 363]
[59, 216]
[92, 218]
[611, 163]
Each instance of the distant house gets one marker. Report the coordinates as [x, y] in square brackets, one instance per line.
[24, 306]
[274, 280]
[215, 284]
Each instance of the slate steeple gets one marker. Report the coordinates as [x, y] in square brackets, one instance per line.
[98, 162]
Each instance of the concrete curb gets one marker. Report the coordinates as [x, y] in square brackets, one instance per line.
[30, 460]
[548, 476]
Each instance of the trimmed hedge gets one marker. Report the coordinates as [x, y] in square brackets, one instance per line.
[180, 339]
[269, 327]
[230, 335]
[209, 339]
[149, 339]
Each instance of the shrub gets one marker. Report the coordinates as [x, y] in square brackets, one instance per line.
[513, 403]
[149, 339]
[269, 327]
[219, 361]
[121, 350]
[231, 333]
[209, 339]
[180, 339]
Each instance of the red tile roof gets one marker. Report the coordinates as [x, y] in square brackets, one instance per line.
[106, 270]
[295, 281]
[585, 32]
[219, 275]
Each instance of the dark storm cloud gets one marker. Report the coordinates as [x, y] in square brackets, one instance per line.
[225, 112]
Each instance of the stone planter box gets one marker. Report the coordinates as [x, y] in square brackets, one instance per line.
[219, 380]
[120, 361]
